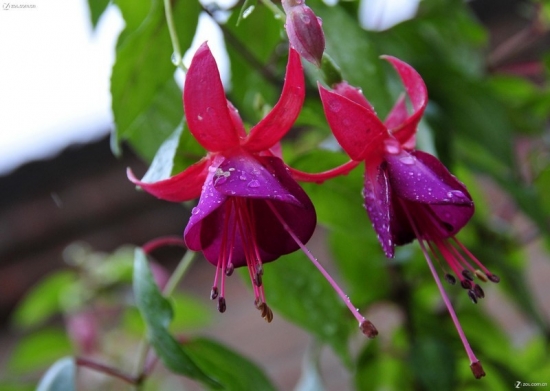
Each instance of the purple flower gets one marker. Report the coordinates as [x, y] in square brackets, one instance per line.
[304, 30]
[408, 193]
[251, 210]
[248, 200]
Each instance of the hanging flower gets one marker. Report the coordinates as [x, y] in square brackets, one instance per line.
[251, 211]
[408, 193]
[304, 30]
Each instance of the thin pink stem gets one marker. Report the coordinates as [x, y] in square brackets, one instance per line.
[87, 363]
[161, 242]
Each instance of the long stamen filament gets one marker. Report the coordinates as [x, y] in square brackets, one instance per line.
[366, 326]
[475, 365]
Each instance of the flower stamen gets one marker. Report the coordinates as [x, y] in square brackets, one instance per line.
[365, 325]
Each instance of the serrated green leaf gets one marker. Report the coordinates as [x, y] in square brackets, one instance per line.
[229, 368]
[43, 300]
[60, 376]
[298, 291]
[157, 314]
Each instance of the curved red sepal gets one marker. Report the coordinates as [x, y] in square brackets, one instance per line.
[320, 177]
[357, 129]
[185, 186]
[418, 94]
[281, 118]
[205, 104]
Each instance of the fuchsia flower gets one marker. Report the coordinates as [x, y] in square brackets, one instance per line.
[251, 211]
[304, 30]
[408, 193]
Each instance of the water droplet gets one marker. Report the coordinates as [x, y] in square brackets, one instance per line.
[195, 211]
[335, 106]
[408, 160]
[306, 19]
[253, 183]
[199, 117]
[175, 59]
[392, 147]
[231, 169]
[242, 178]
[248, 11]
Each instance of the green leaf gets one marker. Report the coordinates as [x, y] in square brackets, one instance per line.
[97, 8]
[254, 62]
[38, 349]
[157, 314]
[343, 191]
[234, 371]
[146, 101]
[298, 291]
[60, 376]
[433, 363]
[163, 163]
[43, 300]
[363, 265]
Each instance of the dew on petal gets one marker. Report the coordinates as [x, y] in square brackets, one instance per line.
[253, 183]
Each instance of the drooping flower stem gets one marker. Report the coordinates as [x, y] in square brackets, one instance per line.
[364, 324]
[177, 58]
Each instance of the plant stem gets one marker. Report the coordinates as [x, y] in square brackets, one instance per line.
[179, 273]
[273, 8]
[177, 58]
[84, 362]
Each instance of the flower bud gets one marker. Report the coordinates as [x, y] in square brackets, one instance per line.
[304, 30]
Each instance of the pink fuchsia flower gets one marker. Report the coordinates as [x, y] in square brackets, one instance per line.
[408, 193]
[304, 30]
[251, 211]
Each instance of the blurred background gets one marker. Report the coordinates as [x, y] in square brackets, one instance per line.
[60, 183]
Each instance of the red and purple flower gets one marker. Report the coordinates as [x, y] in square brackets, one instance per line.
[408, 193]
[251, 210]
[246, 192]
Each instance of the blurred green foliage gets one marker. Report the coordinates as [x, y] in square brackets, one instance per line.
[476, 117]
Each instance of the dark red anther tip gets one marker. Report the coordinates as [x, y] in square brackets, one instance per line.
[472, 296]
[479, 292]
[368, 328]
[477, 370]
[493, 277]
[229, 270]
[450, 278]
[214, 293]
[221, 305]
[466, 284]
[468, 274]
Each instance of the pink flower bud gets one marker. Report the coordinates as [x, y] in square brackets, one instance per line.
[304, 30]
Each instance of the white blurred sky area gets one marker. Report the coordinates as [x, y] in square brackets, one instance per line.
[55, 70]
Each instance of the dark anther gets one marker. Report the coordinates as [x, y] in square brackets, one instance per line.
[214, 293]
[221, 305]
[472, 296]
[368, 328]
[482, 276]
[466, 284]
[260, 269]
[468, 274]
[477, 370]
[493, 277]
[229, 269]
[479, 292]
[450, 278]
[258, 280]
[268, 314]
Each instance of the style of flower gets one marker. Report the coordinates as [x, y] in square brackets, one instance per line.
[304, 30]
[408, 193]
[251, 211]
